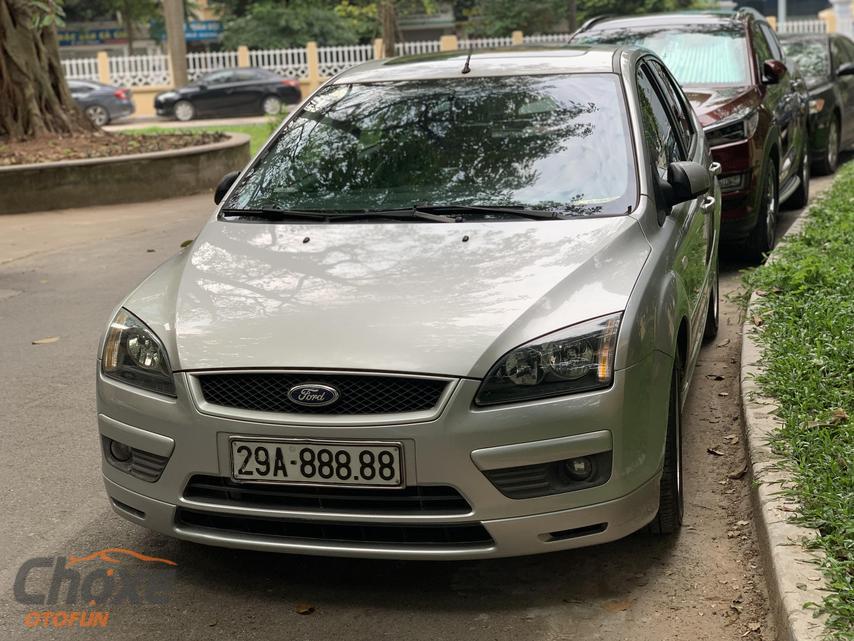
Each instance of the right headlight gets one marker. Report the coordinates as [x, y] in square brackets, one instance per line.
[134, 355]
[575, 359]
[733, 129]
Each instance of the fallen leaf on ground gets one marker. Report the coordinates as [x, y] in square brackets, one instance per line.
[712, 450]
[838, 416]
[46, 341]
[304, 608]
[187, 242]
[754, 627]
[724, 343]
[715, 377]
[760, 292]
[150, 251]
[723, 393]
[617, 606]
[739, 474]
[757, 320]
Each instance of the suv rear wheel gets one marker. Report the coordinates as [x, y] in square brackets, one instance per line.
[801, 197]
[764, 235]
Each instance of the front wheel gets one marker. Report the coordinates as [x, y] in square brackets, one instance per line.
[271, 105]
[671, 503]
[184, 110]
[763, 237]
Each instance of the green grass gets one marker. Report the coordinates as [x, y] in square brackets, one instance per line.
[807, 312]
[258, 133]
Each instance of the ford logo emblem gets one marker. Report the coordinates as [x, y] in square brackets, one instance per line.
[312, 395]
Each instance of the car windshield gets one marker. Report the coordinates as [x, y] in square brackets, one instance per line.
[696, 55]
[811, 56]
[559, 143]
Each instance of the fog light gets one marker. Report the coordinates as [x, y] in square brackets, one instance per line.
[579, 469]
[120, 451]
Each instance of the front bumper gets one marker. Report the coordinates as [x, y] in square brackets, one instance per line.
[450, 449]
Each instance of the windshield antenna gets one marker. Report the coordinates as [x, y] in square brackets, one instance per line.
[467, 66]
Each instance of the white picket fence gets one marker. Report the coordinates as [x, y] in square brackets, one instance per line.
[333, 60]
[485, 43]
[289, 63]
[802, 26]
[81, 68]
[416, 47]
[547, 39]
[137, 71]
[198, 64]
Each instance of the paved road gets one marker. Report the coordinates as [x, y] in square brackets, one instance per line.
[61, 273]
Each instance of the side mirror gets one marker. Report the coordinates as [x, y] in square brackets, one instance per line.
[845, 69]
[773, 72]
[686, 180]
[224, 185]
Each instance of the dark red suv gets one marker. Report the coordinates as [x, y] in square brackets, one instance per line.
[753, 108]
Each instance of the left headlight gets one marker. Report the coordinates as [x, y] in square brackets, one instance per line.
[579, 358]
[134, 355]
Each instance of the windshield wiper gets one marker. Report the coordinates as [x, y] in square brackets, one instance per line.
[279, 215]
[535, 214]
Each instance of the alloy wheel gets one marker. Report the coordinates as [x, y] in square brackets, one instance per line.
[97, 115]
[271, 105]
[184, 111]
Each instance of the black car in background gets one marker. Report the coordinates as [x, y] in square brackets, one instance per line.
[229, 92]
[752, 107]
[827, 64]
[101, 103]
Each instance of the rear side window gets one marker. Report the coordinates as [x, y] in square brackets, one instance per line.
[659, 134]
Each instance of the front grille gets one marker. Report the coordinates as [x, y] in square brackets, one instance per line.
[447, 535]
[421, 499]
[358, 394]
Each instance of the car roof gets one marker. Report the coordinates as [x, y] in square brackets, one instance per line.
[511, 61]
[726, 18]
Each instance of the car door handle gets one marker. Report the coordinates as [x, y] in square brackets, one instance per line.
[715, 168]
[708, 204]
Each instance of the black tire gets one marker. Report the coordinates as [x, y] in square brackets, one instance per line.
[830, 158]
[763, 237]
[801, 197]
[710, 331]
[671, 503]
[184, 110]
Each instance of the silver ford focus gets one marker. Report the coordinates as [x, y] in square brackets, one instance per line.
[451, 310]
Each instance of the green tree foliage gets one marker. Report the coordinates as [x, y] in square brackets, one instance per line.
[270, 24]
[501, 17]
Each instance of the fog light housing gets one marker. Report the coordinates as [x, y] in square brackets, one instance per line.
[120, 451]
[579, 469]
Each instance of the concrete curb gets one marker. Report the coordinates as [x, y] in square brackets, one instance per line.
[793, 576]
[89, 182]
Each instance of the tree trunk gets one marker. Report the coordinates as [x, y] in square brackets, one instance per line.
[127, 14]
[388, 23]
[34, 97]
[571, 15]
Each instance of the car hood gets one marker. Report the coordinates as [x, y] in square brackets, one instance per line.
[430, 298]
[716, 103]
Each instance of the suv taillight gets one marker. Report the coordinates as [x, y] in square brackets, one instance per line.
[121, 94]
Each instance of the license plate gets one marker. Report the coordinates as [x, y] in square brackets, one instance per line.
[317, 462]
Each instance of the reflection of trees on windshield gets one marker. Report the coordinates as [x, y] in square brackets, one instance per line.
[557, 142]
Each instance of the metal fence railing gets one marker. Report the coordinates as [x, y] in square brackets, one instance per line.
[802, 26]
[289, 63]
[198, 64]
[81, 68]
[136, 71]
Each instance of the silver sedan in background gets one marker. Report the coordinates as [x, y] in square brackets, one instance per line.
[450, 310]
